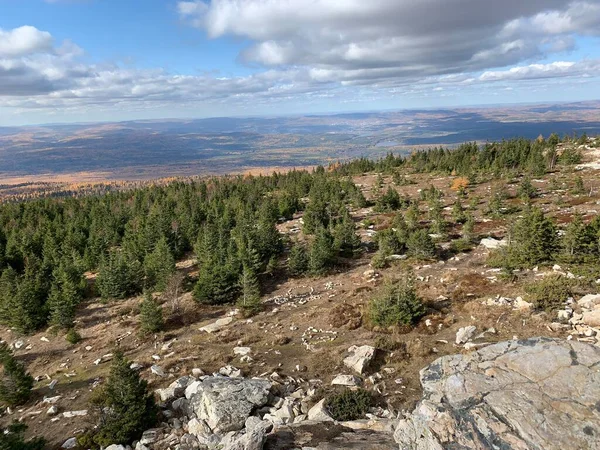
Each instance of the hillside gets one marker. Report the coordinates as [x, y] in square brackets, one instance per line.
[494, 243]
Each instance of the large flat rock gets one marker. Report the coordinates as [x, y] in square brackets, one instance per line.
[532, 394]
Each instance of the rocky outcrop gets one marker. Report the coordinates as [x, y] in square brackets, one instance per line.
[533, 394]
[225, 403]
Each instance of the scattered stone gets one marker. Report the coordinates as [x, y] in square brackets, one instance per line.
[18, 344]
[492, 244]
[70, 414]
[218, 325]
[157, 370]
[44, 339]
[70, 443]
[52, 411]
[346, 380]
[319, 413]
[230, 371]
[241, 351]
[464, 334]
[136, 366]
[176, 389]
[359, 358]
[589, 301]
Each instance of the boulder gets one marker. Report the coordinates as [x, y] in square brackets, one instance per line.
[70, 443]
[492, 244]
[359, 358]
[464, 334]
[591, 318]
[116, 447]
[319, 413]
[157, 370]
[538, 393]
[225, 403]
[589, 301]
[346, 380]
[218, 325]
[176, 389]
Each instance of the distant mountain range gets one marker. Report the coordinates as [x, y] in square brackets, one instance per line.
[161, 148]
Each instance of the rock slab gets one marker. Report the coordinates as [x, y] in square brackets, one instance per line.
[538, 393]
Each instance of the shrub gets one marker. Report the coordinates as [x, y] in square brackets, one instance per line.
[72, 336]
[378, 261]
[550, 293]
[349, 405]
[396, 304]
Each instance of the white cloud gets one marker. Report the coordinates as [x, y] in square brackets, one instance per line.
[24, 40]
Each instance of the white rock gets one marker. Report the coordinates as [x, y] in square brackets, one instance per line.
[69, 414]
[492, 244]
[157, 370]
[346, 380]
[589, 301]
[44, 339]
[197, 372]
[51, 400]
[18, 344]
[230, 371]
[70, 443]
[218, 325]
[192, 389]
[319, 413]
[521, 304]
[464, 334]
[150, 436]
[242, 351]
[52, 411]
[136, 366]
[53, 384]
[116, 447]
[359, 358]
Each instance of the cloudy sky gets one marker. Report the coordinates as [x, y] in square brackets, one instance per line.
[90, 60]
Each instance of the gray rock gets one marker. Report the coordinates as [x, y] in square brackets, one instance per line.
[116, 447]
[589, 301]
[225, 403]
[359, 358]
[70, 443]
[52, 411]
[176, 389]
[492, 244]
[346, 380]
[218, 325]
[69, 414]
[157, 370]
[150, 436]
[465, 333]
[534, 394]
[318, 413]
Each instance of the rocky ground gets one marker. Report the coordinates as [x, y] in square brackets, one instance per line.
[303, 345]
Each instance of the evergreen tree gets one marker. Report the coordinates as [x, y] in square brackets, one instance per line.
[151, 315]
[120, 275]
[420, 244]
[15, 382]
[458, 212]
[345, 240]
[298, 260]
[217, 283]
[65, 295]
[533, 240]
[526, 189]
[159, 265]
[321, 252]
[412, 216]
[396, 304]
[249, 300]
[12, 438]
[468, 228]
[125, 405]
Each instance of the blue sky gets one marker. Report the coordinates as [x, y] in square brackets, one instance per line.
[92, 60]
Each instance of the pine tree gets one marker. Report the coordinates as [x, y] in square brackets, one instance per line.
[151, 315]
[458, 212]
[12, 438]
[249, 300]
[345, 240]
[126, 407]
[159, 265]
[396, 304]
[298, 260]
[65, 295]
[420, 244]
[526, 189]
[468, 228]
[15, 382]
[217, 283]
[533, 239]
[321, 252]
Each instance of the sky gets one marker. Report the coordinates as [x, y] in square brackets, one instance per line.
[109, 60]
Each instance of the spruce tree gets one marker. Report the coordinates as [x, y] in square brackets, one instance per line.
[12, 438]
[126, 407]
[321, 252]
[420, 244]
[249, 300]
[345, 240]
[15, 382]
[159, 265]
[120, 275]
[151, 315]
[298, 260]
[458, 212]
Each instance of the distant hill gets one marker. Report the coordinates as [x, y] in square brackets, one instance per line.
[159, 148]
